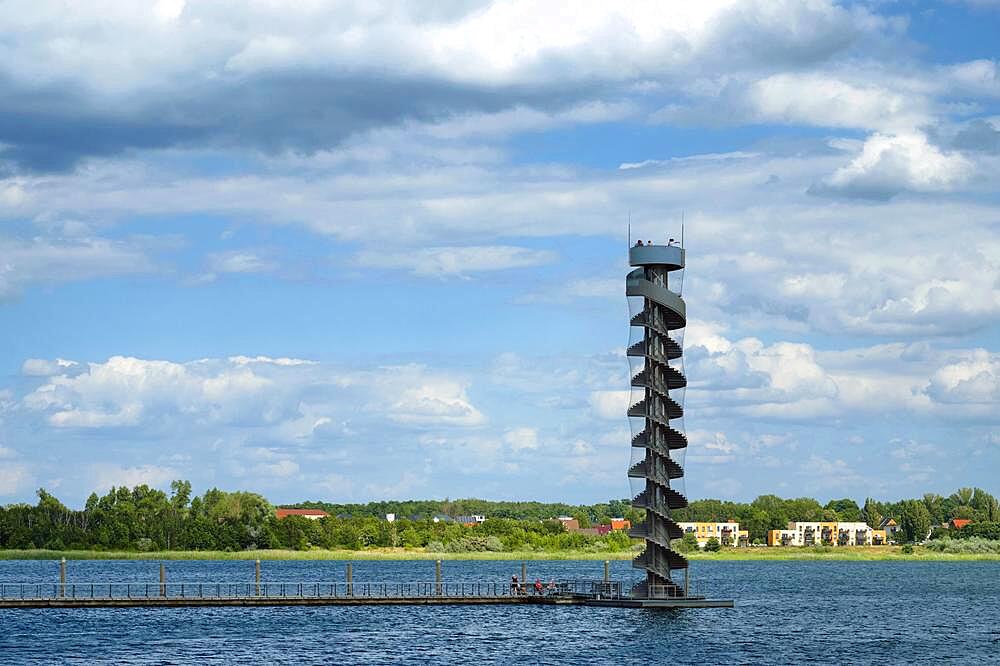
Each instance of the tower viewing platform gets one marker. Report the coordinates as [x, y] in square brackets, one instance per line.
[658, 317]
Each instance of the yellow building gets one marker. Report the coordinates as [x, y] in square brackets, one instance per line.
[728, 533]
[826, 533]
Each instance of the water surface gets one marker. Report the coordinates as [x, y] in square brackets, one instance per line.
[786, 612]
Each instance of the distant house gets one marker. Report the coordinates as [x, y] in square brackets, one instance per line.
[570, 524]
[311, 514]
[615, 524]
[829, 533]
[442, 518]
[727, 533]
[390, 517]
[959, 523]
[470, 521]
[621, 524]
[889, 526]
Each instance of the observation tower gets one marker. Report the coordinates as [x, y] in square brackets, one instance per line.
[656, 415]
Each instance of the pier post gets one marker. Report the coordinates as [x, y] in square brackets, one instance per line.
[524, 576]
[687, 581]
[163, 580]
[437, 576]
[350, 579]
[607, 571]
[257, 575]
[62, 577]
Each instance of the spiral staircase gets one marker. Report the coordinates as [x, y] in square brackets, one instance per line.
[657, 468]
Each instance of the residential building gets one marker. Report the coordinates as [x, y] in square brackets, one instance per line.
[311, 514]
[470, 521]
[571, 524]
[728, 533]
[959, 523]
[621, 524]
[826, 533]
[890, 527]
[615, 524]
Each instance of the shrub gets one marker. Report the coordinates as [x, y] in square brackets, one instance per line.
[688, 544]
[713, 545]
[494, 544]
[973, 545]
[907, 549]
[435, 547]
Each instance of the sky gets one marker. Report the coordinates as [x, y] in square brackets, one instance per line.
[350, 251]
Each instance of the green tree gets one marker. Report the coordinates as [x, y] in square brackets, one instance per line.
[873, 513]
[846, 510]
[915, 521]
[688, 544]
[713, 545]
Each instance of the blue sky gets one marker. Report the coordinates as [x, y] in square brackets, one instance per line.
[353, 251]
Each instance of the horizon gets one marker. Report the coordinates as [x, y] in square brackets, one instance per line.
[362, 252]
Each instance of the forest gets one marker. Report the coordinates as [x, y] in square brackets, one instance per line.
[148, 519]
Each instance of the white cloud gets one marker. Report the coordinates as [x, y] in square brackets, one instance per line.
[40, 367]
[456, 261]
[103, 476]
[427, 401]
[244, 391]
[14, 478]
[972, 380]
[240, 262]
[521, 439]
[815, 99]
[610, 405]
[46, 261]
[890, 164]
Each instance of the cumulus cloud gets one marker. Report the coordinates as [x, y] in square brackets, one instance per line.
[972, 380]
[889, 165]
[814, 99]
[40, 367]
[310, 76]
[260, 391]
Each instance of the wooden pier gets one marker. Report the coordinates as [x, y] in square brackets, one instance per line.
[164, 594]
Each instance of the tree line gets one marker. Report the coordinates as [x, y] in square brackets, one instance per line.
[144, 518]
[147, 519]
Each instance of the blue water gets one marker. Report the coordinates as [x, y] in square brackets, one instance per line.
[786, 612]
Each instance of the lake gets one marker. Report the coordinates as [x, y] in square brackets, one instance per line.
[786, 612]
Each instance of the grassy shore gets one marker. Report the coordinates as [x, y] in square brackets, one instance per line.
[871, 554]
[843, 554]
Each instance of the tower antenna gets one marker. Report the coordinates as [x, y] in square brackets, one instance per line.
[682, 229]
[630, 227]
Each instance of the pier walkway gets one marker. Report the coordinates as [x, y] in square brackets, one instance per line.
[165, 595]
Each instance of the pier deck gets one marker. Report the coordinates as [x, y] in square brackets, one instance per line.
[201, 594]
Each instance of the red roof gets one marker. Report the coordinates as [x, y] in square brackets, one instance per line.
[959, 523]
[281, 513]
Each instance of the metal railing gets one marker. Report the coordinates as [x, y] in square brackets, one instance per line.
[673, 591]
[305, 590]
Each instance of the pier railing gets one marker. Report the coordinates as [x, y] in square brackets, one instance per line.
[306, 590]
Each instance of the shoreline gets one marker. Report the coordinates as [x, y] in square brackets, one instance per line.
[842, 554]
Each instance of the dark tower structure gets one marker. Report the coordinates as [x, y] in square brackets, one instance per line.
[658, 441]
